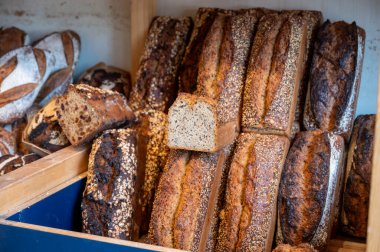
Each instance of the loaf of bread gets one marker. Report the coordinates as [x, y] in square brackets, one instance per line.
[189, 67]
[310, 189]
[23, 72]
[156, 84]
[110, 200]
[186, 199]
[313, 20]
[151, 129]
[10, 163]
[354, 217]
[8, 145]
[249, 215]
[12, 38]
[44, 131]
[304, 247]
[274, 73]
[84, 111]
[215, 106]
[335, 78]
[107, 77]
[65, 46]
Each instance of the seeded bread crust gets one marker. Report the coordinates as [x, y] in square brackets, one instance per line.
[12, 38]
[156, 84]
[357, 181]
[310, 188]
[84, 111]
[249, 216]
[274, 74]
[335, 78]
[109, 204]
[186, 199]
[151, 127]
[107, 77]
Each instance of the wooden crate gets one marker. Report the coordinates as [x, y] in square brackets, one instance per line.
[56, 178]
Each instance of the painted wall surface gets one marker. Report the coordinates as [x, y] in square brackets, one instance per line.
[104, 26]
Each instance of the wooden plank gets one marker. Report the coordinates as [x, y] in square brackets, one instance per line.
[347, 246]
[142, 12]
[86, 236]
[373, 229]
[38, 177]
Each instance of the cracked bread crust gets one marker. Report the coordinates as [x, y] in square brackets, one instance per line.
[358, 177]
[109, 203]
[248, 218]
[335, 78]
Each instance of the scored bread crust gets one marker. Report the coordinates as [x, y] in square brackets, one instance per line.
[8, 145]
[12, 38]
[248, 218]
[354, 216]
[335, 78]
[271, 109]
[310, 189]
[156, 81]
[84, 111]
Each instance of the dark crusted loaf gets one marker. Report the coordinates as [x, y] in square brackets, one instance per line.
[84, 111]
[335, 78]
[304, 247]
[156, 81]
[310, 189]
[354, 216]
[10, 163]
[110, 200]
[249, 215]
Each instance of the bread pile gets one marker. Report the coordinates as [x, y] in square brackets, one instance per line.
[236, 138]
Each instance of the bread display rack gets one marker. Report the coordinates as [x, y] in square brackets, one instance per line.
[37, 201]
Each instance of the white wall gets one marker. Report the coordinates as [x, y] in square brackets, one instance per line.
[366, 13]
[104, 26]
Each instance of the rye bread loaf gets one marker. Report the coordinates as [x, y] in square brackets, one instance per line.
[304, 247]
[335, 78]
[249, 215]
[84, 111]
[187, 199]
[156, 84]
[215, 106]
[354, 217]
[110, 204]
[12, 38]
[65, 46]
[151, 127]
[107, 77]
[22, 74]
[10, 163]
[44, 131]
[274, 73]
[310, 189]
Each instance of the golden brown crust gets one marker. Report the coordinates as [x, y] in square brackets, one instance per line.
[11, 38]
[247, 221]
[272, 107]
